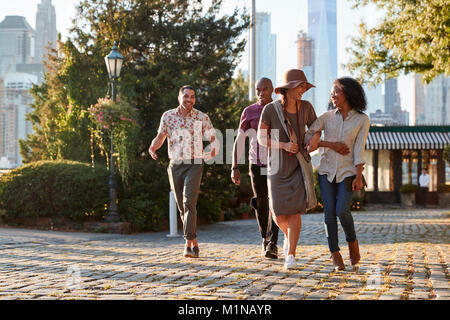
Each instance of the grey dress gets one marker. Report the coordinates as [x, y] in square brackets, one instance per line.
[286, 188]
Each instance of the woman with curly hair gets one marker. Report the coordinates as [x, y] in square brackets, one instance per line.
[341, 174]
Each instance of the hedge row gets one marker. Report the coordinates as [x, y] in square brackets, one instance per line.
[60, 189]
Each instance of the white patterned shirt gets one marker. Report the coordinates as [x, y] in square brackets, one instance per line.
[186, 133]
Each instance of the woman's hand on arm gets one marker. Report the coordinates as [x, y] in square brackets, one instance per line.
[313, 143]
[339, 147]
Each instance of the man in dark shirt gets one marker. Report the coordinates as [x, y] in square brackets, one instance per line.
[257, 163]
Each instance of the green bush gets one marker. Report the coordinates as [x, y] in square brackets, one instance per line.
[443, 188]
[142, 213]
[447, 154]
[409, 188]
[57, 189]
[144, 199]
[208, 208]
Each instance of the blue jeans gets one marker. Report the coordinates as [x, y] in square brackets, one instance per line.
[336, 203]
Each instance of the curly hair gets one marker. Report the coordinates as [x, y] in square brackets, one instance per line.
[353, 92]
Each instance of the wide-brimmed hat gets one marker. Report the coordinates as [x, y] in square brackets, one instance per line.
[292, 78]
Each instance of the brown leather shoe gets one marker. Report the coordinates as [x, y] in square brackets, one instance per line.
[353, 248]
[195, 252]
[337, 260]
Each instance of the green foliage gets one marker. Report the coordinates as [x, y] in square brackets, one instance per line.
[166, 44]
[216, 182]
[143, 213]
[412, 37]
[357, 203]
[447, 154]
[55, 189]
[209, 208]
[116, 120]
[61, 126]
[409, 188]
[244, 207]
[319, 206]
[144, 201]
[443, 188]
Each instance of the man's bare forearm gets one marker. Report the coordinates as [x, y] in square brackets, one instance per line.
[238, 149]
[157, 142]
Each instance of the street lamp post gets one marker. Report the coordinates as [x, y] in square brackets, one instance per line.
[114, 62]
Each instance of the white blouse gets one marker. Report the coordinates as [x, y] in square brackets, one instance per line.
[352, 131]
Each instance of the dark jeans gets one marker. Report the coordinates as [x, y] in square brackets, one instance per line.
[260, 202]
[336, 203]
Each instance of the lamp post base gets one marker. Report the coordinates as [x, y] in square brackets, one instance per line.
[113, 215]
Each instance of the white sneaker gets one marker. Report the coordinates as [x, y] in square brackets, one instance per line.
[289, 263]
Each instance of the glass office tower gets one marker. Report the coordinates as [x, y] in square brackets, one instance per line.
[322, 28]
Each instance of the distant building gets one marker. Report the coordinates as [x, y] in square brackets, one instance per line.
[305, 61]
[375, 99]
[15, 100]
[22, 52]
[322, 28]
[46, 33]
[266, 48]
[16, 43]
[418, 102]
[392, 102]
[391, 96]
[382, 118]
[432, 101]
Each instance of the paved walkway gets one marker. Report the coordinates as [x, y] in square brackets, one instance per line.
[405, 255]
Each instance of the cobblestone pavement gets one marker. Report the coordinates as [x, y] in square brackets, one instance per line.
[405, 255]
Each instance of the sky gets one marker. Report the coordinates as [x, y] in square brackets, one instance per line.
[288, 17]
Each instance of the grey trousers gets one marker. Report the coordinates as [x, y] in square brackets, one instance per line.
[185, 182]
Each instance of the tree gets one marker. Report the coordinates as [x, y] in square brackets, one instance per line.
[447, 154]
[166, 44]
[412, 37]
[60, 121]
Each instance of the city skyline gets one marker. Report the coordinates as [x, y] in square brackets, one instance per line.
[288, 18]
[266, 48]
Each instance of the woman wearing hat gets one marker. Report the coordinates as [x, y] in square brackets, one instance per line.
[290, 178]
[341, 174]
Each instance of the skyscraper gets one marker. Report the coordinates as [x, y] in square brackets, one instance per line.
[418, 95]
[322, 28]
[391, 96]
[437, 101]
[15, 100]
[305, 61]
[392, 102]
[45, 29]
[18, 73]
[16, 43]
[266, 48]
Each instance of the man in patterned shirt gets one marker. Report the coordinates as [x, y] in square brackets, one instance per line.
[186, 127]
